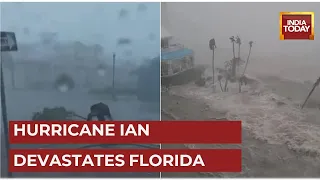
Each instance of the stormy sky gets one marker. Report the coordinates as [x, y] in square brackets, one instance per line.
[92, 23]
[258, 22]
[194, 24]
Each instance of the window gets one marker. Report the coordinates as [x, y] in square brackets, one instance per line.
[164, 43]
[164, 68]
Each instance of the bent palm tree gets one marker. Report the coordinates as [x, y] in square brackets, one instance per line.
[313, 88]
[243, 79]
[245, 68]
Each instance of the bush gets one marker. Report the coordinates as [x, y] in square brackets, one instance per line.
[57, 113]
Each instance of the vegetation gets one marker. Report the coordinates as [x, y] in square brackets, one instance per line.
[50, 114]
[230, 70]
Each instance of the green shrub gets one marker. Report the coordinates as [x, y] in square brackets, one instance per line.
[56, 113]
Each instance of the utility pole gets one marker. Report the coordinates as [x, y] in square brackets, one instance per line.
[113, 74]
[9, 44]
[212, 46]
[4, 117]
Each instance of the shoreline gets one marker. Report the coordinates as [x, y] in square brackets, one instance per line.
[261, 157]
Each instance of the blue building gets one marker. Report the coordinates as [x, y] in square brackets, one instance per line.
[175, 58]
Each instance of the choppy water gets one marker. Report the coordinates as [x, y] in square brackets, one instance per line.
[265, 113]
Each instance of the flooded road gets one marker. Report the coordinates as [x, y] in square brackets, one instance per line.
[22, 103]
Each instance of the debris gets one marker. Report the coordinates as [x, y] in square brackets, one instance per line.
[280, 103]
[201, 82]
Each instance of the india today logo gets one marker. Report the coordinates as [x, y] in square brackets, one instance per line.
[296, 25]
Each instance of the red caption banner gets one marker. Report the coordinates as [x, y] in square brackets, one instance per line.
[134, 160]
[80, 132]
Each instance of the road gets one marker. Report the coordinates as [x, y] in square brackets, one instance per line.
[21, 104]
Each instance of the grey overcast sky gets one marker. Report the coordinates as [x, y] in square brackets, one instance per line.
[197, 22]
[87, 22]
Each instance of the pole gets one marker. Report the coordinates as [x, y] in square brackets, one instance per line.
[213, 68]
[313, 88]
[4, 117]
[113, 74]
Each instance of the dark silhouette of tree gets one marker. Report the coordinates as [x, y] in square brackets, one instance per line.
[310, 93]
[212, 46]
[233, 41]
[233, 70]
[243, 79]
[238, 41]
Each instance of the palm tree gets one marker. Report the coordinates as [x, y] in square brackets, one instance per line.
[242, 77]
[233, 41]
[228, 69]
[233, 71]
[212, 45]
[245, 68]
[238, 41]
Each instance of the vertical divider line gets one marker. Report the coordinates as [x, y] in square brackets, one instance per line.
[160, 5]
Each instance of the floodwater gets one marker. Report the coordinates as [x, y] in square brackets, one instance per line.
[22, 103]
[279, 138]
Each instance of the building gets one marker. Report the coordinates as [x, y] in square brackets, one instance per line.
[175, 58]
